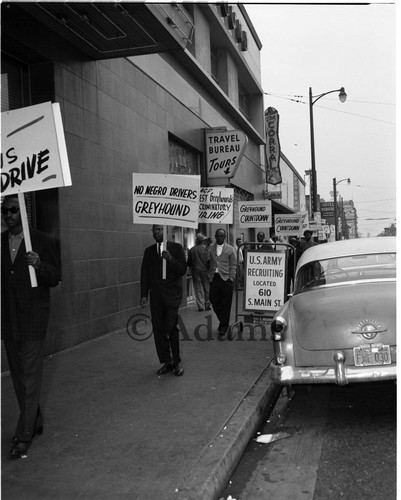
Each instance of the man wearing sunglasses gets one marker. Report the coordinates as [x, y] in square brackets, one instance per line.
[24, 316]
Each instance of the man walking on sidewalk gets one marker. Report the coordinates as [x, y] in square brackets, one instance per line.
[223, 266]
[25, 316]
[199, 262]
[165, 297]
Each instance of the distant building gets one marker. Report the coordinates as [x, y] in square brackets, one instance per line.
[389, 231]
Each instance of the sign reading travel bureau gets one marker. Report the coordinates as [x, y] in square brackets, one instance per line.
[224, 151]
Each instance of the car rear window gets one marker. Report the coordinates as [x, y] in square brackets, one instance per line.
[345, 269]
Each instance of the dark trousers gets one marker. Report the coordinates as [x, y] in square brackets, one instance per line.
[26, 367]
[221, 296]
[165, 329]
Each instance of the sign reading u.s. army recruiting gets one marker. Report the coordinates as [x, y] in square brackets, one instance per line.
[265, 275]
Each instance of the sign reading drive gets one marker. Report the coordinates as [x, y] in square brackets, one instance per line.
[33, 150]
[166, 199]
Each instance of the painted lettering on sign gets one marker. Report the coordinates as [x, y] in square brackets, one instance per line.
[255, 213]
[265, 275]
[216, 204]
[33, 154]
[224, 151]
[166, 199]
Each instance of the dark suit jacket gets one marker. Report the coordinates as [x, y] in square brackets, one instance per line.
[24, 309]
[170, 289]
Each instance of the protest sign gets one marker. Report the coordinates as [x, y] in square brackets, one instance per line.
[305, 221]
[255, 213]
[288, 225]
[33, 157]
[166, 199]
[265, 275]
[216, 205]
[33, 150]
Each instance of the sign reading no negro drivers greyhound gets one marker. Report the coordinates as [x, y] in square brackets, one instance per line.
[166, 199]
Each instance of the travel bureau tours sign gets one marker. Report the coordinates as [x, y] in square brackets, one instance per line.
[265, 274]
[166, 199]
[33, 149]
[224, 150]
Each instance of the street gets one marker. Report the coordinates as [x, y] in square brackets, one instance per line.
[326, 442]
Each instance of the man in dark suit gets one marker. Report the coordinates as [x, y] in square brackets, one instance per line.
[165, 297]
[25, 316]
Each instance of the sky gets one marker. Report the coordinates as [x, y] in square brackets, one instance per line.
[327, 47]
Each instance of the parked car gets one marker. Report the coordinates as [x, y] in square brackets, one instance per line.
[339, 325]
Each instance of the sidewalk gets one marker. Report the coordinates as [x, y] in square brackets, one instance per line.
[115, 430]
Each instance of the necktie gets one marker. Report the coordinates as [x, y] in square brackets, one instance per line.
[159, 249]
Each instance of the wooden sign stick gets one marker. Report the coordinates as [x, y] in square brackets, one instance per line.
[164, 248]
[27, 236]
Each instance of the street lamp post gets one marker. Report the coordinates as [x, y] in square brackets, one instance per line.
[335, 204]
[312, 99]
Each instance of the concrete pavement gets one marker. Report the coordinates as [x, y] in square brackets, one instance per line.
[116, 430]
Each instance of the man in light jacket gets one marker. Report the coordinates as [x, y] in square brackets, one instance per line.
[223, 266]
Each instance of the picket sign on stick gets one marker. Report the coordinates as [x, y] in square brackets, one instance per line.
[164, 248]
[27, 236]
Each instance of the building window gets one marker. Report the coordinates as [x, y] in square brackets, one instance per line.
[243, 99]
[182, 160]
[214, 68]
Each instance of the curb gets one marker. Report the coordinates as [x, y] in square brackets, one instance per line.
[217, 462]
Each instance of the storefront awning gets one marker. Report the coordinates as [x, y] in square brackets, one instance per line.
[116, 29]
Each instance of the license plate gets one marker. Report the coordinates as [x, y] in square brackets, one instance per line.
[372, 355]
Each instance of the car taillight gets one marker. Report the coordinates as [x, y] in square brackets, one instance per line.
[277, 328]
[281, 359]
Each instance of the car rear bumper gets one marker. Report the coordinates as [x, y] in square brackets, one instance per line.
[340, 375]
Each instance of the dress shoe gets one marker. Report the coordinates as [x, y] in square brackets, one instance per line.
[20, 449]
[178, 370]
[200, 308]
[38, 431]
[222, 333]
[166, 368]
[207, 308]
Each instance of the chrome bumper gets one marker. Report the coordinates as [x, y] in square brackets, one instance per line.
[339, 374]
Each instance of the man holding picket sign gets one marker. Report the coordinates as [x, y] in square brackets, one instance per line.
[171, 199]
[165, 297]
[25, 315]
[30, 262]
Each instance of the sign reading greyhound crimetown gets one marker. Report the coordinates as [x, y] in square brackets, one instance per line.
[255, 213]
[224, 151]
[166, 199]
[33, 149]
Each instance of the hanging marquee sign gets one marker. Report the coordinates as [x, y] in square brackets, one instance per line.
[224, 150]
[272, 148]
